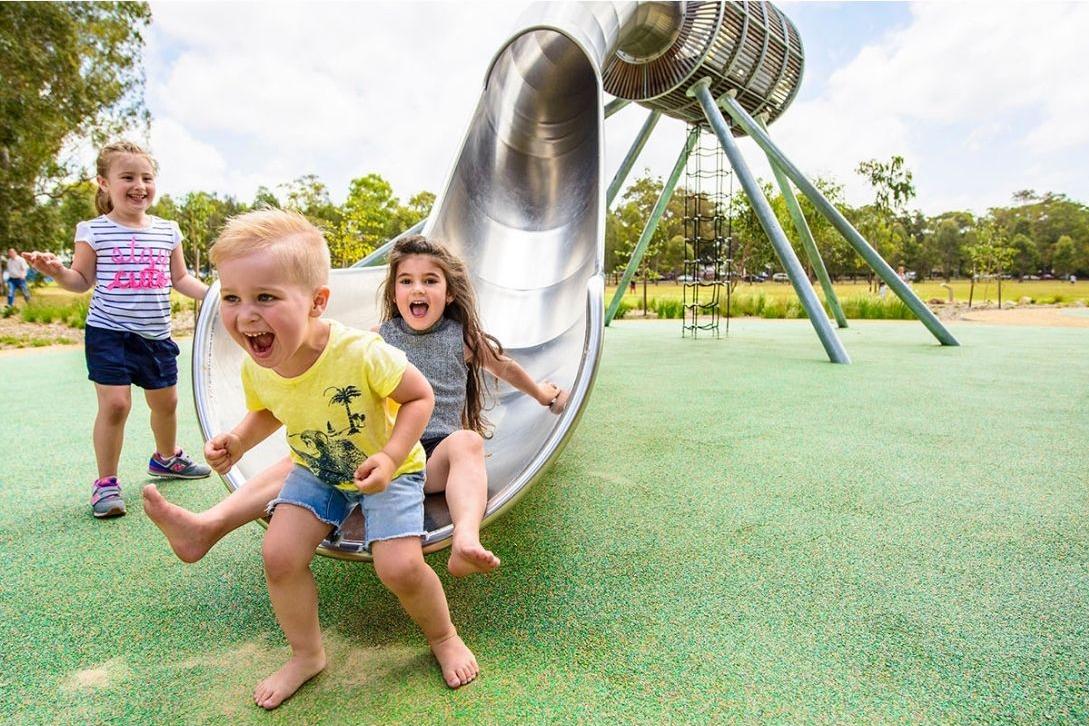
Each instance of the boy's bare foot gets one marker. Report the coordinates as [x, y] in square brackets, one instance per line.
[183, 529]
[467, 558]
[282, 684]
[457, 662]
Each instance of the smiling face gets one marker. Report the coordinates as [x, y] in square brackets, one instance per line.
[420, 291]
[130, 182]
[270, 315]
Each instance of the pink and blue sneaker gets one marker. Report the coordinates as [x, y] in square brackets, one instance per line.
[106, 498]
[178, 466]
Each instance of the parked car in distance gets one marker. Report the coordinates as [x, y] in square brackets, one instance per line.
[910, 275]
[758, 277]
[780, 277]
[685, 278]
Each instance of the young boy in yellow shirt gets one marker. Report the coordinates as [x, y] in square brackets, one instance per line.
[328, 385]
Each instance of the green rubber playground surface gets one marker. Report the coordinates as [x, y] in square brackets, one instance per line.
[738, 531]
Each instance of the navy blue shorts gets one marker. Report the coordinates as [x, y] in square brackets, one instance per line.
[430, 443]
[118, 358]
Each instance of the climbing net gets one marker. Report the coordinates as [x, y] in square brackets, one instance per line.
[707, 282]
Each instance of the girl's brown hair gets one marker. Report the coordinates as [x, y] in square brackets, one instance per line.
[102, 168]
[462, 308]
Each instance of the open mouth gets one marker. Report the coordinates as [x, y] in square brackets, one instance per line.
[418, 309]
[260, 343]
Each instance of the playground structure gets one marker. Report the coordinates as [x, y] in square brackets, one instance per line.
[524, 206]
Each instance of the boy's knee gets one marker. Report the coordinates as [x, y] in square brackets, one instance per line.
[401, 573]
[280, 563]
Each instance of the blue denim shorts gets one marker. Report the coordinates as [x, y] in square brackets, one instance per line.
[119, 358]
[395, 512]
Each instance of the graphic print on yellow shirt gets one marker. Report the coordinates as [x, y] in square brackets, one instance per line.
[335, 412]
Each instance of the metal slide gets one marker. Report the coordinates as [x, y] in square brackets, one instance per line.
[524, 207]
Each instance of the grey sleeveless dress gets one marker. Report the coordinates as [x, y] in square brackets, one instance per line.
[439, 353]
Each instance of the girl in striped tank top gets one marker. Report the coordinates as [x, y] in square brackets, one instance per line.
[132, 260]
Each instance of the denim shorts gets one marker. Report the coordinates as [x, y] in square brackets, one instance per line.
[119, 358]
[395, 512]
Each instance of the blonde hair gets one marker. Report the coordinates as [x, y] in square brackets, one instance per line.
[106, 156]
[462, 308]
[291, 238]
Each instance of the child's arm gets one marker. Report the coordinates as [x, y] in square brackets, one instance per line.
[545, 393]
[225, 450]
[183, 282]
[80, 277]
[417, 400]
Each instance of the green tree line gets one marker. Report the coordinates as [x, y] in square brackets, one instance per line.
[1036, 234]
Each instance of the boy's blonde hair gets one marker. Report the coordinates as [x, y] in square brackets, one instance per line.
[106, 156]
[298, 245]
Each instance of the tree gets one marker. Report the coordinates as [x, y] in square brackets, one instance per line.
[367, 219]
[265, 199]
[1062, 255]
[1026, 257]
[893, 189]
[71, 72]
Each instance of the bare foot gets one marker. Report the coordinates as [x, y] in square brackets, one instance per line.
[457, 662]
[183, 529]
[282, 684]
[467, 558]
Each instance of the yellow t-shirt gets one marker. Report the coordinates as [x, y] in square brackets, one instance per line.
[335, 412]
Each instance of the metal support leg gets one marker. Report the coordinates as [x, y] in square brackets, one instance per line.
[832, 345]
[808, 243]
[615, 105]
[652, 224]
[886, 273]
[633, 154]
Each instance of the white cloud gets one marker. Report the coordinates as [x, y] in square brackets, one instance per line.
[981, 99]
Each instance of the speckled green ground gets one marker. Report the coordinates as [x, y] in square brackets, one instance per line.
[739, 531]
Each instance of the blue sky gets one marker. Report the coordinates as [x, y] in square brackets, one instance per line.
[982, 99]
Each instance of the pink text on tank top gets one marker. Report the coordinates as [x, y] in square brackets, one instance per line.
[152, 277]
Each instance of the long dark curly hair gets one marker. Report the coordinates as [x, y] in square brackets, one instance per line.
[462, 308]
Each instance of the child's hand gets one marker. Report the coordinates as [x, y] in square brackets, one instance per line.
[46, 263]
[374, 474]
[222, 452]
[551, 395]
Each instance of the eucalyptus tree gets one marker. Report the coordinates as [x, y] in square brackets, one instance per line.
[72, 75]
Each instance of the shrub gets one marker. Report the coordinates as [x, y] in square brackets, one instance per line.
[672, 309]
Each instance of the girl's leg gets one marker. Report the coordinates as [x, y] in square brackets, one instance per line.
[400, 565]
[163, 403]
[457, 465]
[114, 403]
[192, 534]
[292, 536]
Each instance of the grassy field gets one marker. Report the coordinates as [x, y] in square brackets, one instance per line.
[899, 540]
[1039, 291]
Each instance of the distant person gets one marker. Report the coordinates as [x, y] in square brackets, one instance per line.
[1073, 279]
[16, 273]
[132, 260]
[631, 285]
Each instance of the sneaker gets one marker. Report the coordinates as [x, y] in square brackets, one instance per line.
[178, 466]
[106, 498]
